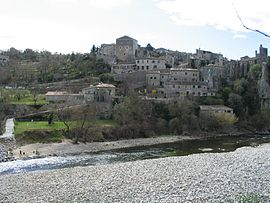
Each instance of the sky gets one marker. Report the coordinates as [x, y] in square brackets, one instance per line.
[66, 26]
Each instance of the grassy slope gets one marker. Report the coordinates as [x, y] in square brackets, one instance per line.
[41, 131]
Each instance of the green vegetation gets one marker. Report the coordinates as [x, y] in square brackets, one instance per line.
[21, 127]
[41, 131]
[249, 198]
[21, 97]
[29, 66]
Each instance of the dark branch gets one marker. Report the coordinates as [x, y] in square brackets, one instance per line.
[266, 35]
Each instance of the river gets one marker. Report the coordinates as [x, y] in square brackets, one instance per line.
[183, 148]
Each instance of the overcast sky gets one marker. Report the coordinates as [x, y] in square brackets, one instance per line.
[185, 25]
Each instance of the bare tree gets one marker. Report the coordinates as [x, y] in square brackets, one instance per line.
[248, 28]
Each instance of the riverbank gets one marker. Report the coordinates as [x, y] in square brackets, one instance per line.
[208, 177]
[68, 148]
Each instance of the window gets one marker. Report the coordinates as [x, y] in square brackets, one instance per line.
[155, 66]
[185, 73]
[162, 77]
[138, 61]
[158, 61]
[155, 77]
[193, 86]
[153, 61]
[142, 67]
[147, 67]
[151, 78]
[173, 86]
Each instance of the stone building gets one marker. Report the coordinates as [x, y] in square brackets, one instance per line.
[122, 68]
[153, 78]
[210, 57]
[148, 64]
[107, 50]
[107, 53]
[175, 83]
[262, 55]
[102, 96]
[183, 89]
[99, 93]
[212, 74]
[4, 60]
[126, 49]
[63, 97]
[212, 109]
[185, 75]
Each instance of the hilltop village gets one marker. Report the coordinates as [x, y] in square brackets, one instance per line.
[163, 75]
[145, 90]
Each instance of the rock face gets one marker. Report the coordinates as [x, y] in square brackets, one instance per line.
[203, 178]
[264, 86]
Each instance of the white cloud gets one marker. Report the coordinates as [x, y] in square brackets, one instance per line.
[220, 14]
[239, 36]
[107, 4]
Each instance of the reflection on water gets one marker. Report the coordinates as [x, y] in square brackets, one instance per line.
[222, 144]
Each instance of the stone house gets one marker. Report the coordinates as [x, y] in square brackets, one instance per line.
[212, 74]
[148, 64]
[185, 75]
[121, 68]
[153, 78]
[262, 55]
[125, 49]
[211, 109]
[102, 96]
[107, 53]
[4, 60]
[183, 89]
[63, 96]
[107, 49]
[99, 93]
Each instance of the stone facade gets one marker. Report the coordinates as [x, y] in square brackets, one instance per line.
[122, 68]
[99, 93]
[183, 89]
[212, 74]
[148, 64]
[212, 109]
[107, 49]
[126, 49]
[262, 55]
[185, 75]
[58, 97]
[4, 60]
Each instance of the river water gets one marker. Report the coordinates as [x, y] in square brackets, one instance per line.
[183, 148]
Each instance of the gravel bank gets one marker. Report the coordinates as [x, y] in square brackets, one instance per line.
[66, 147]
[195, 178]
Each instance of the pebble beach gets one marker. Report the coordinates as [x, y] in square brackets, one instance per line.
[208, 177]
